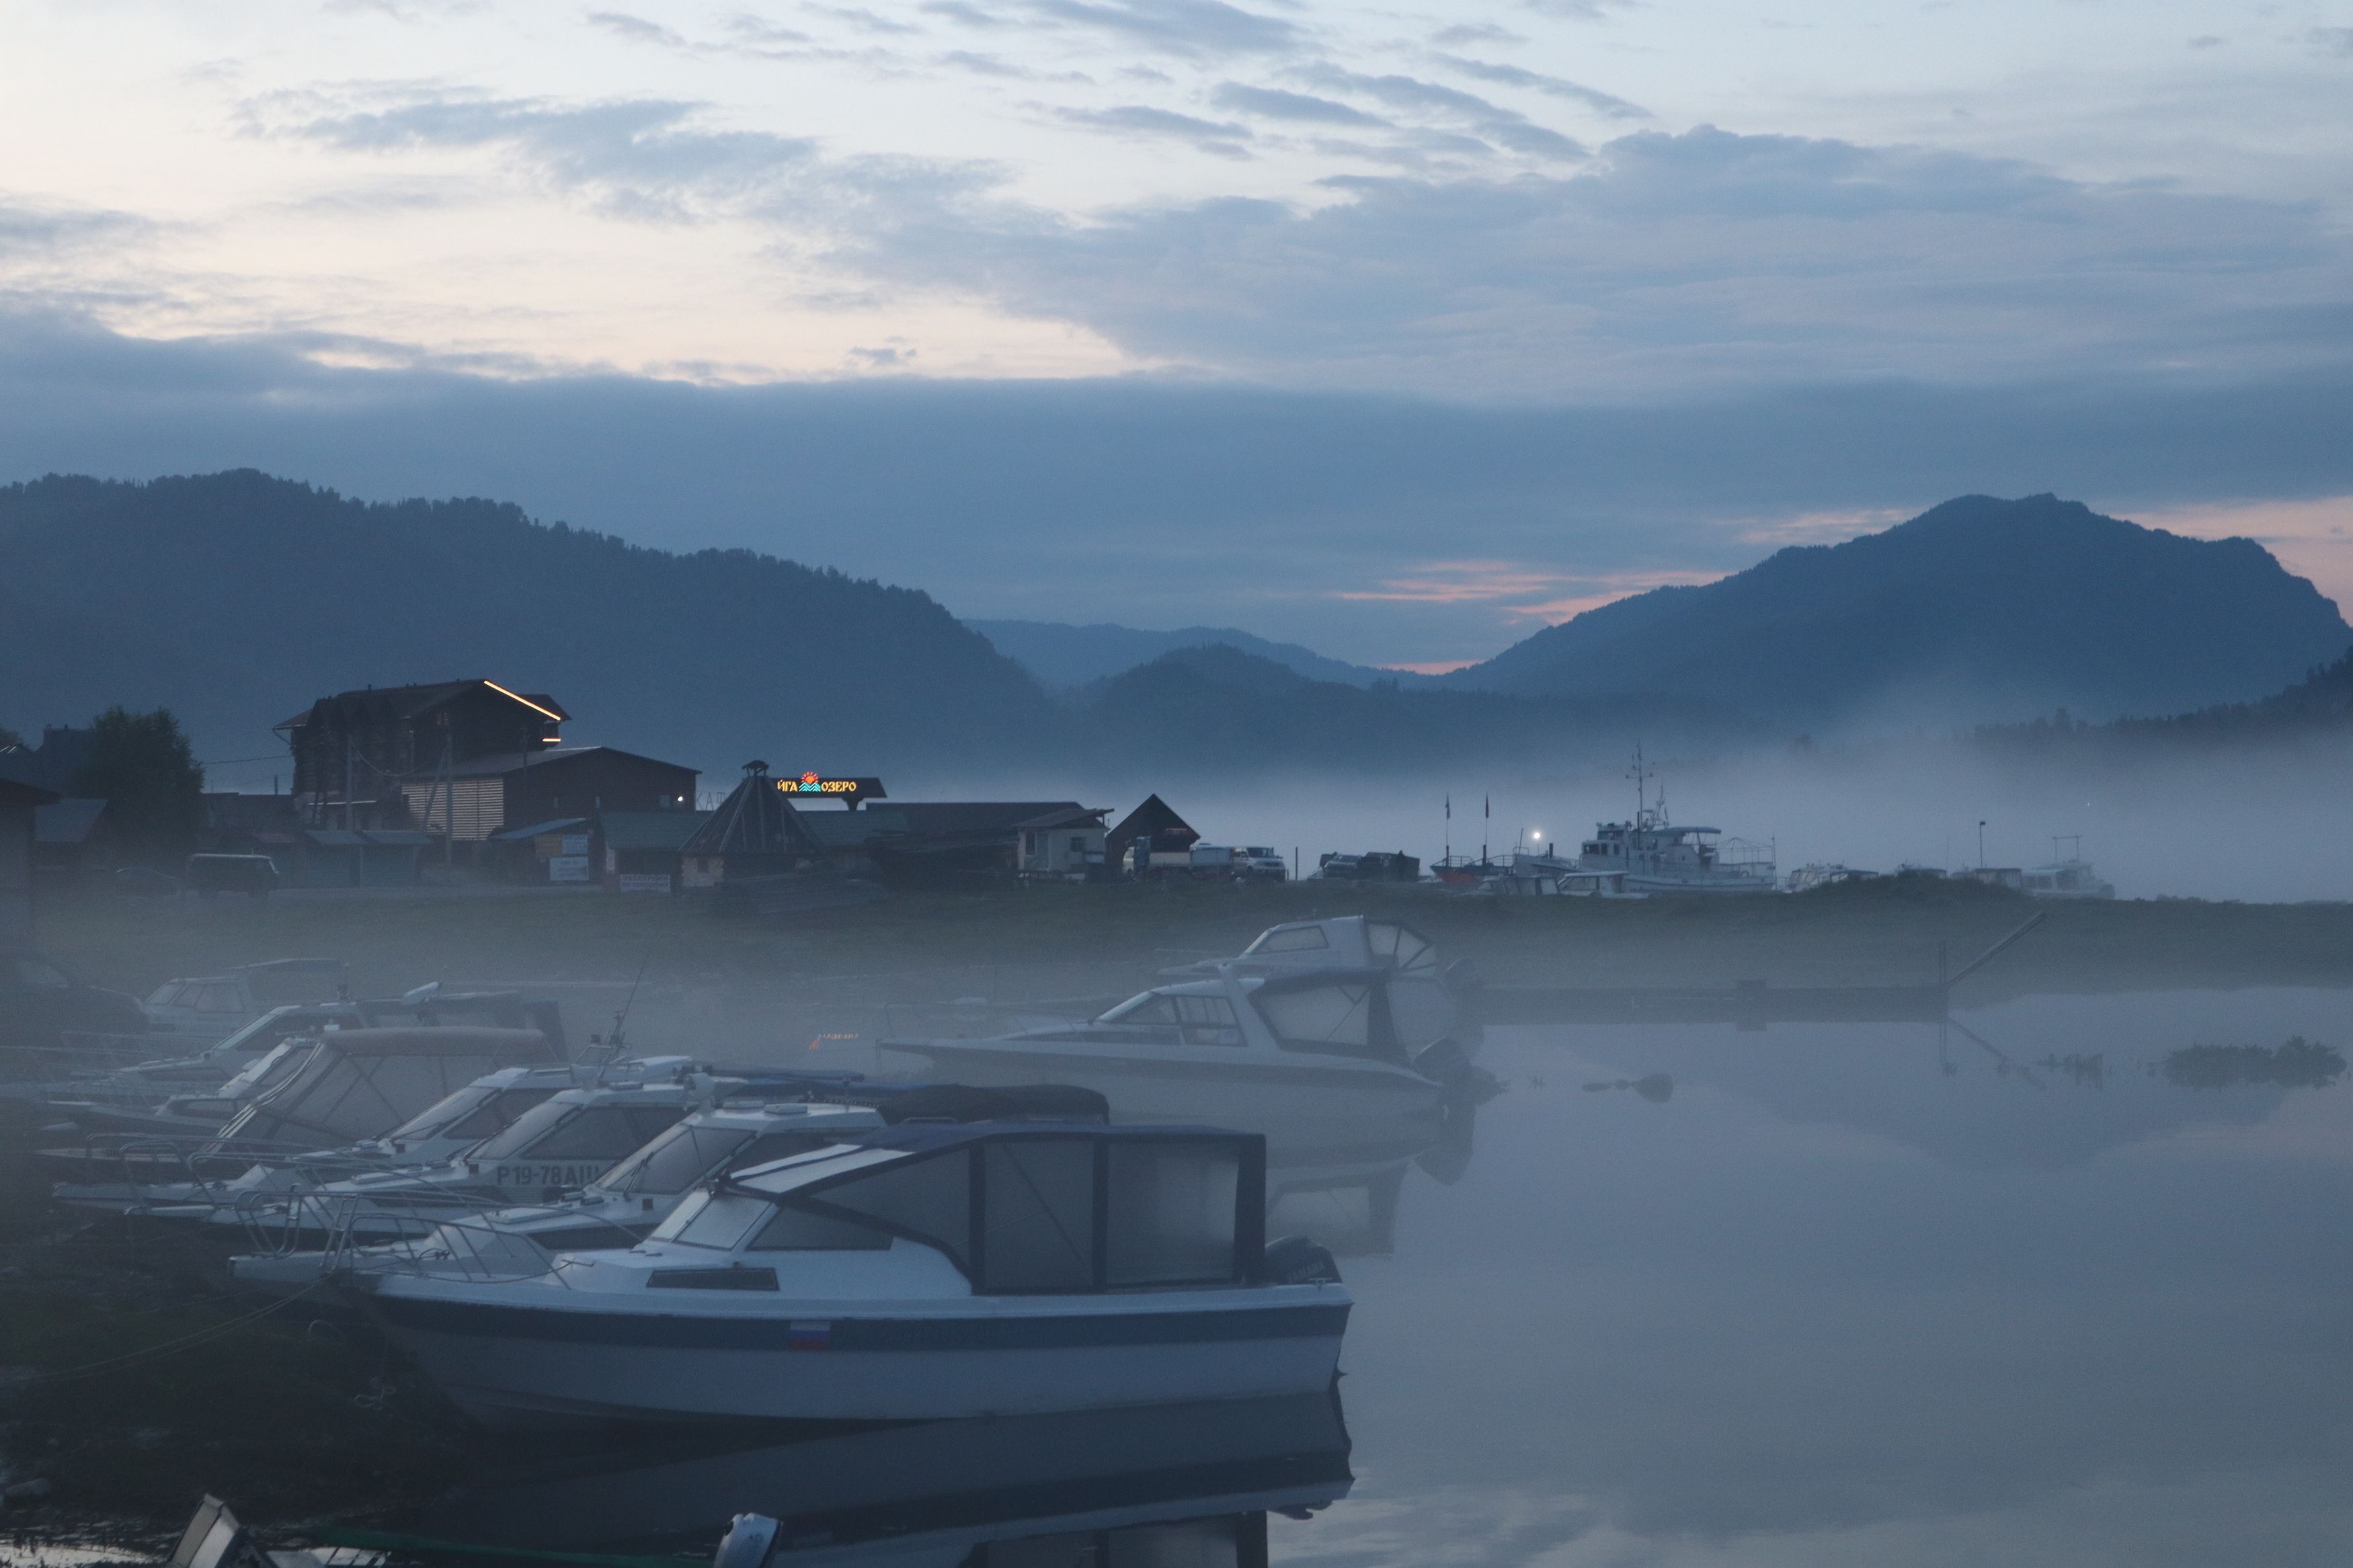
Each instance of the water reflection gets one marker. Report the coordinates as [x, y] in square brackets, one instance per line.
[1179, 1485]
[1871, 1292]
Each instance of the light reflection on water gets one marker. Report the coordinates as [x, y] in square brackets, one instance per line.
[1861, 1293]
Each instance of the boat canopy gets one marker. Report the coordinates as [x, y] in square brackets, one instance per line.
[357, 1084]
[1019, 1208]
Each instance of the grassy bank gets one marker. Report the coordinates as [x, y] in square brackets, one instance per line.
[914, 945]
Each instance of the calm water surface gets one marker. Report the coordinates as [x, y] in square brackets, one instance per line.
[1852, 1294]
[1863, 1294]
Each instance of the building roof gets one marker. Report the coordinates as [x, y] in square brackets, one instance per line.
[13, 793]
[755, 819]
[553, 824]
[69, 821]
[367, 838]
[1154, 818]
[626, 830]
[409, 702]
[500, 764]
[974, 818]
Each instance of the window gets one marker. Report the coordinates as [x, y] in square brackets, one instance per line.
[673, 1161]
[798, 1230]
[498, 1112]
[719, 1220]
[1149, 1008]
[603, 1132]
[712, 1280]
[1334, 1015]
[1208, 1021]
[1172, 1216]
[928, 1198]
[1397, 946]
[1038, 1215]
[1290, 939]
[216, 999]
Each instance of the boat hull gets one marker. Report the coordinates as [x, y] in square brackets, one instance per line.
[1249, 1095]
[516, 1363]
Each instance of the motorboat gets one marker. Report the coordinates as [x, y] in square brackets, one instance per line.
[2067, 876]
[360, 1230]
[337, 1089]
[1427, 1003]
[923, 1271]
[372, 1229]
[435, 1135]
[567, 1140]
[1254, 1050]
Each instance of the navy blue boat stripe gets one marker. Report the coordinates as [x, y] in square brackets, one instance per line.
[670, 1332]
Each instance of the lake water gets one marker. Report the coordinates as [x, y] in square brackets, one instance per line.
[1853, 1294]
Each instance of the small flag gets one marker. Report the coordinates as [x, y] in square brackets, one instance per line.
[808, 1336]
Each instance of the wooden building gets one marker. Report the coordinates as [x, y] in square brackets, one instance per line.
[472, 801]
[354, 750]
[19, 801]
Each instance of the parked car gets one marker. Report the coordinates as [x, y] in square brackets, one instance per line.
[1263, 862]
[145, 880]
[254, 874]
[40, 1003]
[217, 1005]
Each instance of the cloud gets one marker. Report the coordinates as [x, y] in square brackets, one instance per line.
[1463, 33]
[46, 229]
[636, 29]
[1191, 28]
[645, 159]
[1216, 137]
[1504, 127]
[1701, 259]
[960, 11]
[1274, 103]
[863, 20]
[1512, 76]
[1520, 590]
[2337, 41]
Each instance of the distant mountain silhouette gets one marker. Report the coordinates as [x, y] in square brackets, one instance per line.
[1978, 609]
[1218, 706]
[2317, 707]
[1064, 656]
[236, 599]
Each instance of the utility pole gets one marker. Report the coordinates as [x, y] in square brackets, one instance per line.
[1980, 844]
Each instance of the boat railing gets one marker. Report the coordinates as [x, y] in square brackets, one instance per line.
[280, 1222]
[150, 1163]
[465, 1245]
[982, 1020]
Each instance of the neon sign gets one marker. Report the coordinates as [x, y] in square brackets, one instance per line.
[819, 785]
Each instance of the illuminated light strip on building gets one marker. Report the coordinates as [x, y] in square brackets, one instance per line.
[521, 699]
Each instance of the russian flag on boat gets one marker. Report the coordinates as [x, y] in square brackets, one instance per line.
[809, 1335]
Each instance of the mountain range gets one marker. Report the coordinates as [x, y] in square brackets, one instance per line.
[237, 598]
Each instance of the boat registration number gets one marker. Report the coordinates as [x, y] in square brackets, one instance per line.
[538, 1176]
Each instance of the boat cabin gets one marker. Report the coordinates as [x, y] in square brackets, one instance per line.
[1002, 1208]
[351, 1085]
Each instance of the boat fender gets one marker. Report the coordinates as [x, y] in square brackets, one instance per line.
[1295, 1260]
[747, 1542]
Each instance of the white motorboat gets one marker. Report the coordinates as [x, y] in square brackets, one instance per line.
[2067, 876]
[1427, 1002]
[339, 1088]
[1255, 1051]
[918, 1273]
[363, 1231]
[435, 1135]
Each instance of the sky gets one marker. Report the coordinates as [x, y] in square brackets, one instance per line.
[1400, 331]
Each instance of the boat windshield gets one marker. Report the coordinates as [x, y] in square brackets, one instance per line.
[688, 1152]
[560, 1129]
[1409, 949]
[1194, 1020]
[472, 1113]
[1289, 939]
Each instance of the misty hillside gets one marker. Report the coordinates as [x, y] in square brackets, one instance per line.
[1066, 655]
[236, 599]
[1220, 707]
[1978, 609]
[2318, 706]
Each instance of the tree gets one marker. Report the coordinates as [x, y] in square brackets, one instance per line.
[142, 766]
[9, 738]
